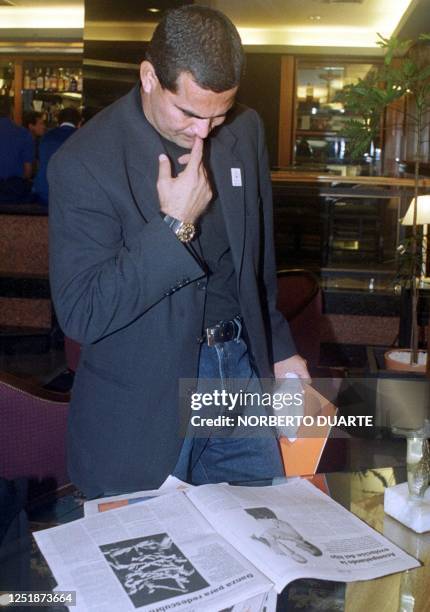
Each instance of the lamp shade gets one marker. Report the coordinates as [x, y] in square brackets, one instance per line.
[423, 211]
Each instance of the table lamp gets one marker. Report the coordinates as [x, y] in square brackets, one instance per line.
[423, 218]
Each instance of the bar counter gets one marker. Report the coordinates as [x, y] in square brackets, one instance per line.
[344, 228]
[297, 176]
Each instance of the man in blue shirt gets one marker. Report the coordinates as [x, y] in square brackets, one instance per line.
[34, 121]
[16, 157]
[69, 119]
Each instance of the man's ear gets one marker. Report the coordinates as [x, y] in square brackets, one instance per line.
[148, 78]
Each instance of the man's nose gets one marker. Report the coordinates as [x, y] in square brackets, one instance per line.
[202, 127]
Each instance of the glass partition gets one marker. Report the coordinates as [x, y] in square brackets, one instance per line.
[320, 117]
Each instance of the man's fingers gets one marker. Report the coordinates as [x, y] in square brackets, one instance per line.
[184, 159]
[196, 154]
[164, 169]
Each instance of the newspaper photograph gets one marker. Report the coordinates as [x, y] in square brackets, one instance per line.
[157, 556]
[293, 530]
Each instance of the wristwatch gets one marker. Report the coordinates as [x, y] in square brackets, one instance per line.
[185, 232]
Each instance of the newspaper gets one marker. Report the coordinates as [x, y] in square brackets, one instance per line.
[94, 506]
[294, 530]
[155, 556]
[214, 547]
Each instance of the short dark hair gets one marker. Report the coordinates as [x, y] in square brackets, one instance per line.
[5, 106]
[31, 117]
[198, 40]
[69, 115]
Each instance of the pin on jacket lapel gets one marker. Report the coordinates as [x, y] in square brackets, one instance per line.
[232, 197]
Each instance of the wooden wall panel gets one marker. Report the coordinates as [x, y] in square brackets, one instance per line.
[287, 112]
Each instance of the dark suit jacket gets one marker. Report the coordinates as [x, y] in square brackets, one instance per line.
[49, 144]
[133, 295]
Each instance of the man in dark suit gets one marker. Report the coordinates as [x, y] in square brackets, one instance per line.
[69, 119]
[162, 265]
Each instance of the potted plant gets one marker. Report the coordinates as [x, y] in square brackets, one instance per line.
[405, 73]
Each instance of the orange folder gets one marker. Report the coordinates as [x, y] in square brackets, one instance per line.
[301, 457]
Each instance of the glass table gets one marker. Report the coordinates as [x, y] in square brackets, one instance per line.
[22, 567]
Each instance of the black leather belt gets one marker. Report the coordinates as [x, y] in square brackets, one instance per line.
[224, 331]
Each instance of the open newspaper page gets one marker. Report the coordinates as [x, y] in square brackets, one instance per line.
[293, 531]
[156, 556]
[103, 504]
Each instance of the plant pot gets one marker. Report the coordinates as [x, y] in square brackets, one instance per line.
[401, 397]
[399, 360]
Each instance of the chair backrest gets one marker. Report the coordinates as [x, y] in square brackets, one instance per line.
[32, 434]
[300, 301]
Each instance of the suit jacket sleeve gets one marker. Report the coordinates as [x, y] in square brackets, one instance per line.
[100, 280]
[280, 338]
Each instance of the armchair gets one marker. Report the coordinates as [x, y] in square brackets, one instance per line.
[32, 434]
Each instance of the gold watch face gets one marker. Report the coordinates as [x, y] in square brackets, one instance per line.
[186, 232]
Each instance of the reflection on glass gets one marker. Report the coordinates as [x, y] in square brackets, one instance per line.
[320, 118]
[418, 464]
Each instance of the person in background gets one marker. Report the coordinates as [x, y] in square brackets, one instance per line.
[69, 120]
[16, 157]
[34, 121]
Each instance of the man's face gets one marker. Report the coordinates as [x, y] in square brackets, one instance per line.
[191, 111]
[38, 128]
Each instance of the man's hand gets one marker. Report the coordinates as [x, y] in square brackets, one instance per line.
[292, 365]
[186, 196]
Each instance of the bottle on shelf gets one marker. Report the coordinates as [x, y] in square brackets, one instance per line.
[47, 79]
[73, 83]
[80, 80]
[33, 80]
[26, 83]
[66, 79]
[60, 80]
[39, 79]
[4, 89]
[54, 81]
[7, 88]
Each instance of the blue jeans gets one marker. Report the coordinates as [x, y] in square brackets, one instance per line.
[230, 458]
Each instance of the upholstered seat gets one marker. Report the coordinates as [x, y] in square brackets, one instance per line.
[300, 301]
[32, 434]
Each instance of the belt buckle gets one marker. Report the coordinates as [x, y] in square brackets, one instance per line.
[210, 335]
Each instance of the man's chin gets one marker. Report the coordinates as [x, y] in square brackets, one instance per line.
[185, 141]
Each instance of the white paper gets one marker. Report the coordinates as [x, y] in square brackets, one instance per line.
[293, 530]
[155, 556]
[102, 504]
[213, 547]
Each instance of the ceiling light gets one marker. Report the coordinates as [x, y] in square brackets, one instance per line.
[42, 17]
[314, 17]
[153, 10]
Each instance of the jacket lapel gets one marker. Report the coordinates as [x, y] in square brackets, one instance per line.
[229, 177]
[142, 148]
